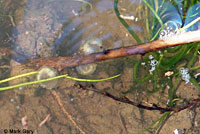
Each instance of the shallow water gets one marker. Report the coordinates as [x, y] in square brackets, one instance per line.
[54, 27]
[51, 28]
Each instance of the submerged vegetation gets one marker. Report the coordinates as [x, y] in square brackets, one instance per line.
[166, 18]
[46, 79]
[155, 71]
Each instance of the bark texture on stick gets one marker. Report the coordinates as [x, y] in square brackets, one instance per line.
[62, 62]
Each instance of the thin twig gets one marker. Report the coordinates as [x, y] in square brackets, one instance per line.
[12, 21]
[65, 112]
[45, 120]
[124, 130]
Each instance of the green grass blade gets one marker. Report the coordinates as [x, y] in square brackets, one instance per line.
[30, 83]
[18, 76]
[133, 34]
[190, 24]
[195, 68]
[154, 12]
[156, 121]
[89, 80]
[194, 57]
[53, 78]
[195, 83]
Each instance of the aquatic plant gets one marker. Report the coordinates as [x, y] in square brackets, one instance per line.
[162, 23]
[46, 79]
[163, 20]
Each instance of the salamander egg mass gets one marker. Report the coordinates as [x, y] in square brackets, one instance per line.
[45, 73]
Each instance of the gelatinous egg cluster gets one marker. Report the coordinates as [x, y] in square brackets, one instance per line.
[88, 47]
[86, 69]
[91, 46]
[170, 29]
[45, 73]
[153, 64]
[185, 74]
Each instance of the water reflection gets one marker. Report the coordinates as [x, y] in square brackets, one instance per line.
[192, 14]
[53, 27]
[40, 28]
[169, 15]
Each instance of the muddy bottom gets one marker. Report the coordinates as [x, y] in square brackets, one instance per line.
[73, 107]
[71, 110]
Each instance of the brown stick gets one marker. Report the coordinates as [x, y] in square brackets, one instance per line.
[62, 62]
[154, 107]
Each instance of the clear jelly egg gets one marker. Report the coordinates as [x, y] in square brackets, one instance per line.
[45, 73]
[88, 47]
[91, 46]
[86, 69]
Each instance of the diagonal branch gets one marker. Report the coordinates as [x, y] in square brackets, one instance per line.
[123, 99]
[62, 62]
